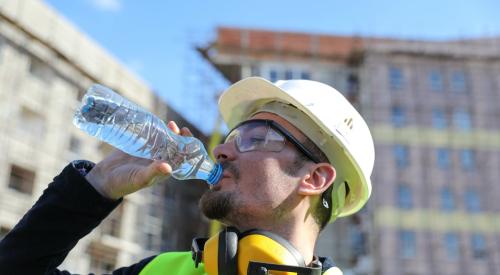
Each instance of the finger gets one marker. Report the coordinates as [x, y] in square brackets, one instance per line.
[161, 170]
[173, 126]
[186, 132]
[156, 170]
[163, 167]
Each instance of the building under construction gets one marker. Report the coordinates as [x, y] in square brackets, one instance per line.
[432, 109]
[45, 66]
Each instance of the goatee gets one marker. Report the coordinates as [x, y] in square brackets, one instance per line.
[216, 204]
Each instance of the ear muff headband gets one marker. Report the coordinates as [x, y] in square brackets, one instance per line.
[266, 247]
[228, 247]
[230, 252]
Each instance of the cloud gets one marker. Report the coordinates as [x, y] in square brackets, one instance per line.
[107, 5]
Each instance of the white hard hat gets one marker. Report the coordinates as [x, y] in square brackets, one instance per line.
[325, 116]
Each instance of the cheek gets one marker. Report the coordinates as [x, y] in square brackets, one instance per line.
[265, 183]
[261, 172]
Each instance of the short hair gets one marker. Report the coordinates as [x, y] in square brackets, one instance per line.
[321, 214]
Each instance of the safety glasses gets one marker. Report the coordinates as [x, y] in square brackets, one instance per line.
[264, 135]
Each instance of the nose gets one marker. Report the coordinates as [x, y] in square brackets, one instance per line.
[225, 151]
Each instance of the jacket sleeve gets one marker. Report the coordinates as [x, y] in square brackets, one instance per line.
[67, 211]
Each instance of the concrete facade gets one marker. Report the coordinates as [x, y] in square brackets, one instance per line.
[432, 109]
[449, 125]
[45, 66]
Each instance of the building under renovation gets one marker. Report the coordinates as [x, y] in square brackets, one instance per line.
[432, 107]
[45, 66]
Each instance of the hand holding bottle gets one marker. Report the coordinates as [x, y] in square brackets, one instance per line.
[123, 124]
[120, 174]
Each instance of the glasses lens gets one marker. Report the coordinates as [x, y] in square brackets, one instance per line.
[264, 135]
[256, 136]
[275, 141]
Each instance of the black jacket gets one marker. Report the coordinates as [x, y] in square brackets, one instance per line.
[67, 211]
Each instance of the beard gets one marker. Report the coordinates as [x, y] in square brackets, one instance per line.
[216, 204]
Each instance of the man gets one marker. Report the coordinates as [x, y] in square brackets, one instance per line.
[298, 156]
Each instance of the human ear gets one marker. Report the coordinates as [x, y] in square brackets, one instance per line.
[319, 178]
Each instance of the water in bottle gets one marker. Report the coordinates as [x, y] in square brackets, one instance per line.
[115, 120]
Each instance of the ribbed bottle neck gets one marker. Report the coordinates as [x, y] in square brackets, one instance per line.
[215, 174]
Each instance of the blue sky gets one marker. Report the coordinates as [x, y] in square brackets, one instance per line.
[155, 38]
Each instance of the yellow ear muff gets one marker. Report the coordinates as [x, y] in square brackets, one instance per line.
[230, 252]
[266, 247]
[219, 253]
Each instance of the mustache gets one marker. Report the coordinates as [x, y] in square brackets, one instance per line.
[231, 167]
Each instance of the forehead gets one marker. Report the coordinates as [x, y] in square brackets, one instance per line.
[281, 121]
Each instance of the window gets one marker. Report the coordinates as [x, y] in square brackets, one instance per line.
[461, 120]
[21, 179]
[478, 244]
[273, 75]
[438, 119]
[359, 241]
[31, 122]
[290, 73]
[75, 145]
[150, 241]
[436, 81]
[153, 209]
[398, 116]
[305, 75]
[407, 244]
[255, 70]
[352, 84]
[443, 158]
[41, 70]
[452, 246]
[113, 223]
[472, 201]
[101, 266]
[458, 81]
[405, 198]
[102, 258]
[401, 156]
[447, 199]
[467, 159]
[395, 78]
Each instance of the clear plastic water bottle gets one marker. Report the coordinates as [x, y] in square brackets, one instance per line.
[126, 126]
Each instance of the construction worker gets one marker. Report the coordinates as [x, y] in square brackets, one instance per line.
[298, 156]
